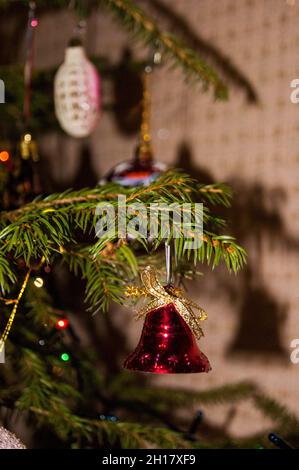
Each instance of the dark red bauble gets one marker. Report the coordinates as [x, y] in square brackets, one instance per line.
[141, 171]
[167, 346]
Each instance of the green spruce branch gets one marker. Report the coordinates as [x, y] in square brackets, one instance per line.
[143, 27]
[136, 20]
[49, 229]
[61, 395]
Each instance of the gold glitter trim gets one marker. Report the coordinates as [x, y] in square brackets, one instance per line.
[164, 296]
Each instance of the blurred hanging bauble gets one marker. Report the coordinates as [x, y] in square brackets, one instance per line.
[77, 93]
[168, 340]
[142, 170]
[24, 183]
[28, 148]
[9, 441]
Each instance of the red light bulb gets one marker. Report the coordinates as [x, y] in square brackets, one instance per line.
[34, 22]
[62, 324]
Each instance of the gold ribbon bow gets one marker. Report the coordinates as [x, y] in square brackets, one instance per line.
[165, 296]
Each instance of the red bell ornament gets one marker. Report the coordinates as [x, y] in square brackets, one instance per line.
[167, 344]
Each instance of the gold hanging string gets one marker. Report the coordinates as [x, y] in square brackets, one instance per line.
[14, 310]
[146, 110]
[145, 146]
[164, 296]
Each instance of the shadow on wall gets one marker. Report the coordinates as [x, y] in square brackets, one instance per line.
[127, 94]
[255, 218]
[230, 72]
[84, 177]
[15, 19]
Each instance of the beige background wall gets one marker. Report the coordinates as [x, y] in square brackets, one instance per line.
[254, 146]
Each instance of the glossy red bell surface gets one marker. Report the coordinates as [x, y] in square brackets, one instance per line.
[167, 346]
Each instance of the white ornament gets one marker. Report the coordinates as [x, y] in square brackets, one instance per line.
[9, 441]
[77, 93]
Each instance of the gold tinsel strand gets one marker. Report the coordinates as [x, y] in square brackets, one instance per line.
[13, 312]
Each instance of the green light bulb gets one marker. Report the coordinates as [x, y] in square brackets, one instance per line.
[64, 357]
